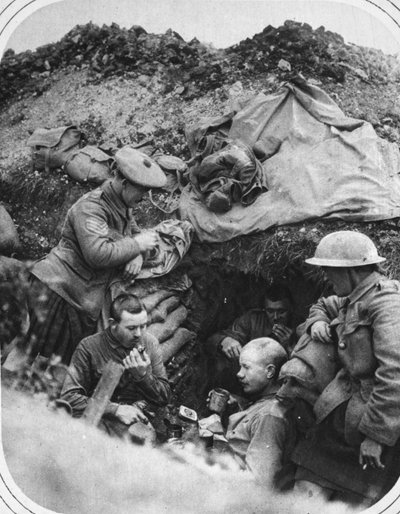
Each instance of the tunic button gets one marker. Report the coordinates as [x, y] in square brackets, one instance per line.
[342, 345]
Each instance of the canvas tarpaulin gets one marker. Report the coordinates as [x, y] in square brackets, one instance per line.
[327, 166]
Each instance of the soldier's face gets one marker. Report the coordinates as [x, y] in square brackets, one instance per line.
[132, 193]
[130, 328]
[340, 279]
[277, 312]
[254, 374]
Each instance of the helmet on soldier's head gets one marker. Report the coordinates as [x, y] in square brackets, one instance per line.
[139, 168]
[345, 249]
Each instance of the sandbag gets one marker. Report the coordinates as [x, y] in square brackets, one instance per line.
[173, 281]
[161, 312]
[89, 164]
[162, 331]
[172, 345]
[9, 240]
[51, 148]
[152, 300]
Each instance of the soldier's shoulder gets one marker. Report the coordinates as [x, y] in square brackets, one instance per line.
[272, 407]
[90, 341]
[388, 285]
[89, 202]
[91, 195]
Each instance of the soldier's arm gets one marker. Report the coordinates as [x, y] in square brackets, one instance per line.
[240, 329]
[99, 249]
[381, 419]
[325, 309]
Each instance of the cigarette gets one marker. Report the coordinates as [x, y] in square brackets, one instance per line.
[364, 467]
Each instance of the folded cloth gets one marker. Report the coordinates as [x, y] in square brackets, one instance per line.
[212, 424]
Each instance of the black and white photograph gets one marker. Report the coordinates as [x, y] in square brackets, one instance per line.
[200, 256]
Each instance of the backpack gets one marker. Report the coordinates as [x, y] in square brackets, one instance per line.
[52, 147]
[89, 164]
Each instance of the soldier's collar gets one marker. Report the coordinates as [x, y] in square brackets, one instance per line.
[364, 286]
[115, 344]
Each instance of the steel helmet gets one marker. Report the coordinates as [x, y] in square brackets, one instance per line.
[345, 249]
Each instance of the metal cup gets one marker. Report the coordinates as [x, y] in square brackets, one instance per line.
[218, 400]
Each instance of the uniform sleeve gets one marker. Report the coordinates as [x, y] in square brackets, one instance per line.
[264, 457]
[381, 419]
[240, 330]
[325, 309]
[98, 248]
[155, 386]
[78, 383]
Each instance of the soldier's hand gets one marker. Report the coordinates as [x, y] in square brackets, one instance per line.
[145, 407]
[321, 331]
[132, 268]
[282, 333]
[138, 363]
[371, 454]
[130, 414]
[232, 400]
[231, 348]
[146, 241]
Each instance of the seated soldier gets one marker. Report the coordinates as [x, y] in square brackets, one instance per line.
[262, 435]
[273, 320]
[350, 451]
[144, 377]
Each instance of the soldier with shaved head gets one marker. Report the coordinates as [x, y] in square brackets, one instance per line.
[262, 436]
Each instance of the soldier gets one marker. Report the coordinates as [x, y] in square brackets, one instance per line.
[262, 435]
[97, 241]
[273, 320]
[125, 341]
[347, 453]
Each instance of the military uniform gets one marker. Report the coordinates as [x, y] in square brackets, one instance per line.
[95, 241]
[89, 361]
[262, 438]
[363, 398]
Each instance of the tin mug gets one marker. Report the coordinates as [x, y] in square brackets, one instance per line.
[218, 400]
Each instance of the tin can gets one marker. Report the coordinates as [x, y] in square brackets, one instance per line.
[218, 400]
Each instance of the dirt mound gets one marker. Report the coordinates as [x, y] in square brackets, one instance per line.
[297, 47]
[191, 66]
[105, 51]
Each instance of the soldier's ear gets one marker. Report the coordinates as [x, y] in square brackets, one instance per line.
[112, 322]
[271, 370]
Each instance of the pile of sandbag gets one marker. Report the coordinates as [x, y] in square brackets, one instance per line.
[165, 299]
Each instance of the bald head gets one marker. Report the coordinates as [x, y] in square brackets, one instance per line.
[266, 351]
[260, 361]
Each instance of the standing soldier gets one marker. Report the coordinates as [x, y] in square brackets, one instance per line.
[348, 452]
[96, 242]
